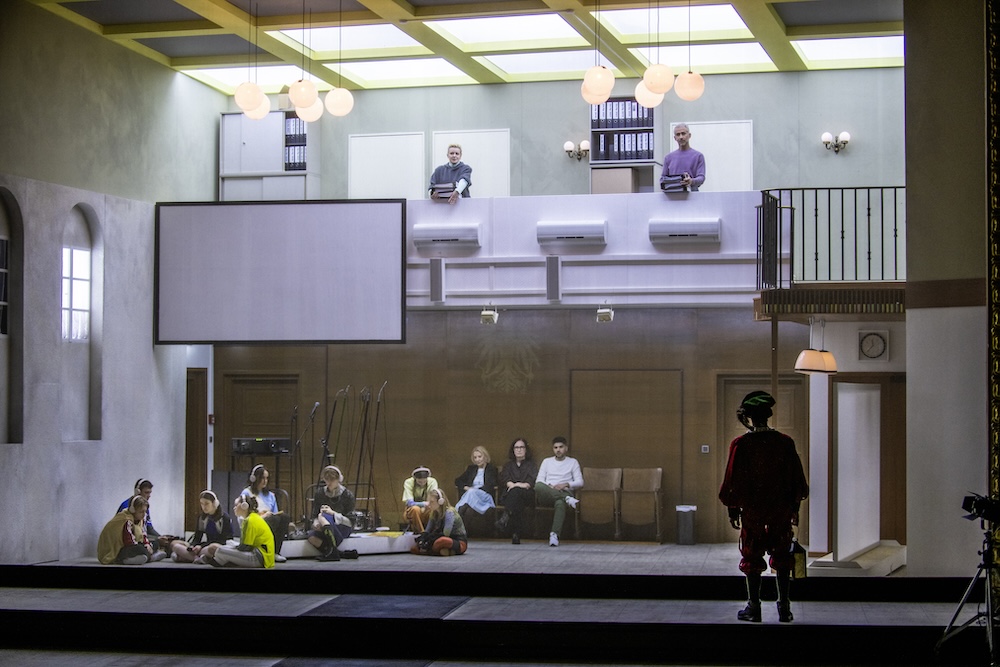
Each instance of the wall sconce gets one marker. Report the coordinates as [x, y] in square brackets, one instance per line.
[605, 314]
[581, 152]
[489, 315]
[835, 144]
[812, 360]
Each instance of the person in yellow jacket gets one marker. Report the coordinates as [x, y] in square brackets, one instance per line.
[256, 547]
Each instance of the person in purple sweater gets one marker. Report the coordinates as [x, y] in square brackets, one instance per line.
[685, 162]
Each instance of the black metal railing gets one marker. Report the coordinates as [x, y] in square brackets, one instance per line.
[820, 235]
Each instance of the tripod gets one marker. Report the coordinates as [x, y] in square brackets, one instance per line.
[987, 569]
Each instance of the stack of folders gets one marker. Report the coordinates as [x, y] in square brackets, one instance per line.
[442, 190]
[672, 183]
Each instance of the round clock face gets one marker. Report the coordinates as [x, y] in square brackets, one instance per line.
[872, 345]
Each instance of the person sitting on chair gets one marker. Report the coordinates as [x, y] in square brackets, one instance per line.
[415, 490]
[475, 485]
[517, 481]
[558, 477]
[445, 534]
[267, 506]
[334, 523]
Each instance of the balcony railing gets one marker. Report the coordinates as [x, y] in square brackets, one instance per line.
[831, 235]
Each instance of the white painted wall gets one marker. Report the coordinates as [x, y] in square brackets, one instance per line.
[857, 517]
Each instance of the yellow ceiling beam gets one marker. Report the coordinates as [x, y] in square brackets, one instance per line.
[154, 30]
[582, 20]
[769, 30]
[838, 30]
[236, 21]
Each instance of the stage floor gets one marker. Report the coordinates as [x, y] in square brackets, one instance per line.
[645, 591]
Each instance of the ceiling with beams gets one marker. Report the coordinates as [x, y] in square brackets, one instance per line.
[369, 44]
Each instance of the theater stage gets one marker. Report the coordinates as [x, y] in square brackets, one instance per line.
[579, 603]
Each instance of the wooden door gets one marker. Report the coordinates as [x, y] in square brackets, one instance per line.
[195, 443]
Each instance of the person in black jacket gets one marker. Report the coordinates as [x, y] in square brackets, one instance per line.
[517, 488]
[214, 526]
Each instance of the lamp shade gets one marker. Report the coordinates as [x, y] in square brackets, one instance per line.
[590, 97]
[310, 113]
[339, 101]
[599, 79]
[844, 137]
[302, 93]
[645, 97]
[815, 361]
[826, 138]
[262, 109]
[658, 78]
[569, 147]
[584, 145]
[248, 96]
[689, 86]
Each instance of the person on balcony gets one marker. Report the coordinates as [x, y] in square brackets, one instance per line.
[763, 487]
[683, 168]
[452, 179]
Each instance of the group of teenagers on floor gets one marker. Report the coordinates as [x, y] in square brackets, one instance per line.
[129, 538]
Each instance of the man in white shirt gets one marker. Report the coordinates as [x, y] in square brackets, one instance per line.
[558, 477]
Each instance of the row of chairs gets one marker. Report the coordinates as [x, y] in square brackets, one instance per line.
[622, 500]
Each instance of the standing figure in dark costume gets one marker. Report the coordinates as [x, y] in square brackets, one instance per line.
[763, 488]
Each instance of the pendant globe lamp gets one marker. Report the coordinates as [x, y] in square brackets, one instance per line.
[261, 110]
[339, 101]
[248, 94]
[590, 97]
[312, 112]
[658, 78]
[303, 93]
[598, 80]
[689, 85]
[645, 97]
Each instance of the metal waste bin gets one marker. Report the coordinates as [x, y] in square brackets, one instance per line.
[685, 523]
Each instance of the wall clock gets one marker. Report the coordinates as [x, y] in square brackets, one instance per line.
[873, 345]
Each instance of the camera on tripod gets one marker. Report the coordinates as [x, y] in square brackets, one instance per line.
[981, 507]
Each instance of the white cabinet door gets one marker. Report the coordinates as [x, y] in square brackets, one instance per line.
[252, 146]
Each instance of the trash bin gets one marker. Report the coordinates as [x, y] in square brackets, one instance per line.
[685, 523]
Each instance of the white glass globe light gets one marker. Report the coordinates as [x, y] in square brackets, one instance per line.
[591, 97]
[826, 138]
[248, 96]
[646, 98]
[262, 110]
[310, 113]
[339, 101]
[689, 86]
[844, 137]
[302, 93]
[584, 146]
[569, 147]
[599, 79]
[658, 79]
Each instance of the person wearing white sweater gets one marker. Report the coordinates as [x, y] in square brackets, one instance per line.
[558, 477]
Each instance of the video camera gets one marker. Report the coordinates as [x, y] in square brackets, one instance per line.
[981, 507]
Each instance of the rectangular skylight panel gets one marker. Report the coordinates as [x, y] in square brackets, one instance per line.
[714, 19]
[851, 49]
[269, 78]
[748, 54]
[546, 63]
[540, 28]
[352, 38]
[415, 71]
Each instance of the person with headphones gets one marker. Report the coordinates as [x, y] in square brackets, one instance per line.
[267, 506]
[762, 489]
[415, 490]
[160, 543]
[334, 522]
[122, 540]
[214, 527]
[256, 547]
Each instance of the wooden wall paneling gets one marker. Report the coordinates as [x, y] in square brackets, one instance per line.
[195, 443]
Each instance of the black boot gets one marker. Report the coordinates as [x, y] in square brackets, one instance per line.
[751, 612]
[328, 550]
[784, 581]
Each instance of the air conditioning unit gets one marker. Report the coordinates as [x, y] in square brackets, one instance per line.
[464, 235]
[582, 232]
[690, 230]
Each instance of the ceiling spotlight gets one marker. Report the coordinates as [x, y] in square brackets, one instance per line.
[605, 314]
[489, 315]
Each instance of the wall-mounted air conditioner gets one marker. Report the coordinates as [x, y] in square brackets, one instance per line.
[689, 230]
[464, 235]
[581, 232]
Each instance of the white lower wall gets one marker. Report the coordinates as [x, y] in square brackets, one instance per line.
[947, 437]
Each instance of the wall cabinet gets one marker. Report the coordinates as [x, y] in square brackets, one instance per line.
[276, 157]
[624, 147]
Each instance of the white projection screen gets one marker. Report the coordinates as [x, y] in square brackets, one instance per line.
[280, 272]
